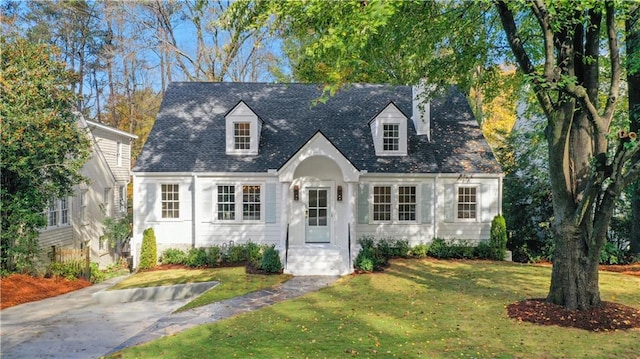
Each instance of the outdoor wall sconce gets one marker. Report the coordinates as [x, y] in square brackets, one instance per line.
[339, 193]
[296, 192]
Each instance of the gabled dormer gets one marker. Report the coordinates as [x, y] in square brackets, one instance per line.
[242, 130]
[389, 131]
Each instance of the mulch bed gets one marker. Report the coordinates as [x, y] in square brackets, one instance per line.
[609, 316]
[21, 288]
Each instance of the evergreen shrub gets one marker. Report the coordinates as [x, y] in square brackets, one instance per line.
[148, 253]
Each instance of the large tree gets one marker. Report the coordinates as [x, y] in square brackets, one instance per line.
[632, 29]
[556, 45]
[43, 148]
[586, 173]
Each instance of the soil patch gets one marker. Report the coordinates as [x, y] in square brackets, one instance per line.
[20, 288]
[609, 316]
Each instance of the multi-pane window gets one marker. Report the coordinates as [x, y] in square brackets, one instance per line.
[406, 203]
[226, 203]
[53, 213]
[390, 137]
[242, 135]
[106, 201]
[119, 153]
[467, 202]
[83, 206]
[123, 198]
[382, 203]
[170, 201]
[64, 211]
[251, 203]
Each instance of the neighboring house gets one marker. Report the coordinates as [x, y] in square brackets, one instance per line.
[77, 221]
[268, 163]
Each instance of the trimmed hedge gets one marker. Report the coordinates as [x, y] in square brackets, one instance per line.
[149, 252]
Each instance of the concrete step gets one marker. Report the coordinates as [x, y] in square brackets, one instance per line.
[317, 260]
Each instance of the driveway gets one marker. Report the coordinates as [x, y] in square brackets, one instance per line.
[74, 326]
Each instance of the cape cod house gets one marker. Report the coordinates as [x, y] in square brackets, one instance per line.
[76, 222]
[269, 163]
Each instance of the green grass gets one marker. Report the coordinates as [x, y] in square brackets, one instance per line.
[234, 282]
[415, 309]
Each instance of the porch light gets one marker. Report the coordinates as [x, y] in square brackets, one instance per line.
[296, 192]
[339, 193]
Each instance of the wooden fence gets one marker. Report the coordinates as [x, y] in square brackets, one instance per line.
[79, 257]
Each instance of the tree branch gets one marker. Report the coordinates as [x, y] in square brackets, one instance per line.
[614, 58]
[523, 59]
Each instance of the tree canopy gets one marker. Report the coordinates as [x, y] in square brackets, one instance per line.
[43, 148]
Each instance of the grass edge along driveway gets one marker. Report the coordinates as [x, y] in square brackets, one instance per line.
[415, 309]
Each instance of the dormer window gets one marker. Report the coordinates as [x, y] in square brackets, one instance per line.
[242, 135]
[389, 131]
[242, 130]
[391, 137]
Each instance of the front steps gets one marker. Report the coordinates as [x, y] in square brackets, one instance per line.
[317, 259]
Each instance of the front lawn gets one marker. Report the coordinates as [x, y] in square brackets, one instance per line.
[415, 309]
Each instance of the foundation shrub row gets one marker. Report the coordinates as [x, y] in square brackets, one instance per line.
[258, 257]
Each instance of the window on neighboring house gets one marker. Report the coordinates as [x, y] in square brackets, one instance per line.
[390, 137]
[123, 199]
[242, 135]
[119, 153]
[106, 201]
[226, 203]
[170, 200]
[406, 203]
[83, 206]
[467, 202]
[53, 213]
[382, 203]
[64, 211]
[251, 203]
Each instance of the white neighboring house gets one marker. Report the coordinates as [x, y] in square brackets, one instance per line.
[260, 162]
[76, 221]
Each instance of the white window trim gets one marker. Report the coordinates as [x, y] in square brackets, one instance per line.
[238, 197]
[180, 209]
[119, 149]
[456, 202]
[84, 207]
[241, 113]
[395, 202]
[391, 115]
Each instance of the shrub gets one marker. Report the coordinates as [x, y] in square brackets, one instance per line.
[67, 270]
[484, 250]
[235, 254]
[420, 250]
[610, 254]
[213, 256]
[401, 248]
[97, 275]
[271, 260]
[197, 257]
[173, 256]
[498, 237]
[254, 254]
[439, 249]
[148, 253]
[364, 263]
[377, 252]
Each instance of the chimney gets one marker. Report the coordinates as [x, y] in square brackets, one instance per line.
[421, 110]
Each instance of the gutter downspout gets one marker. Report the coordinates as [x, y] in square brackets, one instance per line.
[194, 216]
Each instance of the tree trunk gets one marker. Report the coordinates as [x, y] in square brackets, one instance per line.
[632, 27]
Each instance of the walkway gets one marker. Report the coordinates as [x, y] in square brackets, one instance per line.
[73, 326]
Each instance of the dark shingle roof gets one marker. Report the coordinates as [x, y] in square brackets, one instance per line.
[189, 131]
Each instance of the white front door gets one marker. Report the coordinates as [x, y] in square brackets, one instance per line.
[318, 215]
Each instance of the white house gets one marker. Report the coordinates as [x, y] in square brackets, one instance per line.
[266, 163]
[77, 221]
